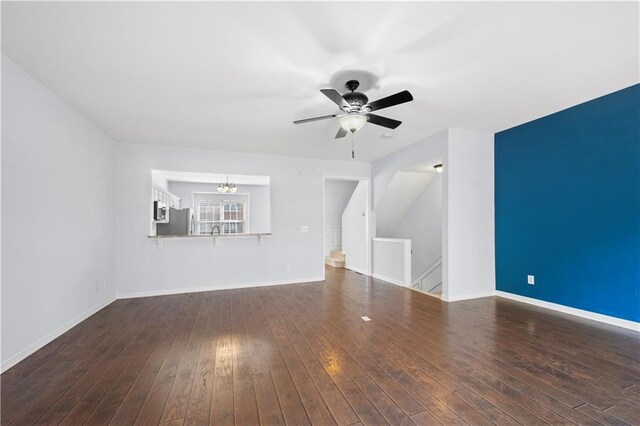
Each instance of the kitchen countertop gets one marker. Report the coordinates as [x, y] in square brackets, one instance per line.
[249, 234]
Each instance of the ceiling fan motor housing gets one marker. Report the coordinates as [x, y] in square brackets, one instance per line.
[355, 99]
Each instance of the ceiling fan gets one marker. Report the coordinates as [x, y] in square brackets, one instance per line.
[356, 109]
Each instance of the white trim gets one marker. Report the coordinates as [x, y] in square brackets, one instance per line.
[468, 296]
[427, 291]
[435, 296]
[389, 280]
[358, 270]
[29, 350]
[212, 288]
[618, 322]
[426, 271]
[391, 240]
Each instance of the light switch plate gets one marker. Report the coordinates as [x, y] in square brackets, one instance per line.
[531, 280]
[304, 228]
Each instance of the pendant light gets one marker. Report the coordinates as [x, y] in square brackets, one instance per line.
[227, 188]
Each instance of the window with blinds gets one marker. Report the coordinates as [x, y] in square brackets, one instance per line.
[229, 216]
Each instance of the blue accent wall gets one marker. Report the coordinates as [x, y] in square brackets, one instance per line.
[567, 206]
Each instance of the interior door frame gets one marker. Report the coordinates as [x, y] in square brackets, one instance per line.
[368, 230]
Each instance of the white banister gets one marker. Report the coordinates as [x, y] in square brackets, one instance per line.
[430, 278]
[427, 270]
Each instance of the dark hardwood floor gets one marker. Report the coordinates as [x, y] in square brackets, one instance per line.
[301, 354]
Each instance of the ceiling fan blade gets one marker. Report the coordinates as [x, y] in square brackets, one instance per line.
[383, 121]
[389, 101]
[335, 97]
[341, 133]
[307, 120]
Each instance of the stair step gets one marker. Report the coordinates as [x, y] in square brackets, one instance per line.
[335, 261]
[336, 258]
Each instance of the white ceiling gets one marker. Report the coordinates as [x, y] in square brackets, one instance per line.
[233, 76]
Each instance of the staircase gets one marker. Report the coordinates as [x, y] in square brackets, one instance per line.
[430, 279]
[335, 259]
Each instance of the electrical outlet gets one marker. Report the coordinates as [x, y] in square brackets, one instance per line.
[104, 284]
[531, 280]
[304, 228]
[287, 267]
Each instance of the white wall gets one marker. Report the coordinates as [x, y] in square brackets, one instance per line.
[259, 217]
[337, 194]
[470, 225]
[401, 193]
[57, 215]
[383, 169]
[160, 181]
[467, 206]
[422, 224]
[356, 236]
[189, 264]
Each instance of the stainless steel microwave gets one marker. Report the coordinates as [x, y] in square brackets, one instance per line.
[160, 212]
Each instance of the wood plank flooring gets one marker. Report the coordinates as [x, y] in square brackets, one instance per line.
[300, 354]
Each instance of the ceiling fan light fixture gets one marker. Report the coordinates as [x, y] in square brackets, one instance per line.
[352, 122]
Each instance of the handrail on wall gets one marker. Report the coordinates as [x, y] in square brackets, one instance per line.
[426, 271]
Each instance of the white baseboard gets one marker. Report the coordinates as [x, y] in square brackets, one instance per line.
[467, 296]
[426, 293]
[51, 336]
[358, 270]
[618, 322]
[389, 280]
[213, 288]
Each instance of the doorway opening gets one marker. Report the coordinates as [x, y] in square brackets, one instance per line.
[346, 226]
[409, 227]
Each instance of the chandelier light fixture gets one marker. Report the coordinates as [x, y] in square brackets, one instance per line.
[227, 188]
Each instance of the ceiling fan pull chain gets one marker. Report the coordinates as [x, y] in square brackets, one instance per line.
[353, 136]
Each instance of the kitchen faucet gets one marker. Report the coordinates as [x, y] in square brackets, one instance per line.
[214, 228]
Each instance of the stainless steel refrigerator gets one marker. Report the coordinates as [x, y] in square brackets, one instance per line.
[180, 223]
